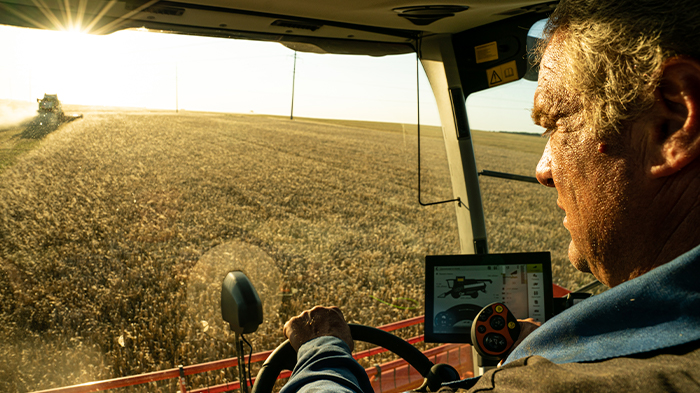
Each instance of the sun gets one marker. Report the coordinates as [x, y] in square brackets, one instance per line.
[77, 38]
[65, 62]
[76, 29]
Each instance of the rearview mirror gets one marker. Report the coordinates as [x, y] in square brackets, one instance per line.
[534, 36]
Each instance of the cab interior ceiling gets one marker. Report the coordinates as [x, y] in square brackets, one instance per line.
[367, 27]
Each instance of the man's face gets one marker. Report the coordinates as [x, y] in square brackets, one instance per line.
[593, 187]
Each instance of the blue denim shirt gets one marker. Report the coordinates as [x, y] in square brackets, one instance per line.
[325, 364]
[659, 309]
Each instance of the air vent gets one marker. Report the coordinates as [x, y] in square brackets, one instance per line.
[165, 10]
[423, 15]
[156, 9]
[292, 24]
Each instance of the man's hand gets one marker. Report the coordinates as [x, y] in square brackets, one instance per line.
[317, 322]
[527, 326]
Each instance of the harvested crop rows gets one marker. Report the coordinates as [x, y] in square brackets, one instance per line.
[116, 232]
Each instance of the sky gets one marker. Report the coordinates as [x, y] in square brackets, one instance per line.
[504, 108]
[167, 71]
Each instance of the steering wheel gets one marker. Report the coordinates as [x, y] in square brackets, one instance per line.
[285, 358]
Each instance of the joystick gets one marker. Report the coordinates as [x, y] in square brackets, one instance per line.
[494, 331]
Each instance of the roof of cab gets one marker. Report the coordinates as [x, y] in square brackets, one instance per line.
[360, 26]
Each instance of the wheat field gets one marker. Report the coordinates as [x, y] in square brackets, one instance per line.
[117, 229]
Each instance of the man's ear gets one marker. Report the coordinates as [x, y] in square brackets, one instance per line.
[676, 139]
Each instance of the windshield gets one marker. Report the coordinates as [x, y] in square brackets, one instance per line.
[175, 159]
[166, 161]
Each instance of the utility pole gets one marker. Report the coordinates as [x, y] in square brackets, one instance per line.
[177, 107]
[294, 73]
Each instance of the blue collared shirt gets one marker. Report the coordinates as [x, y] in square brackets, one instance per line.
[325, 364]
[659, 309]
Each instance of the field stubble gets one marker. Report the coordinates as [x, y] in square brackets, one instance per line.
[116, 232]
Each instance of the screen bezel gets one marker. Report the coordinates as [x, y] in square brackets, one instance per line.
[431, 261]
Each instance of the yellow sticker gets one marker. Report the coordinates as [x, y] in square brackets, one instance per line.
[499, 309]
[486, 52]
[503, 73]
[511, 325]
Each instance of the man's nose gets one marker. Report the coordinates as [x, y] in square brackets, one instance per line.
[544, 167]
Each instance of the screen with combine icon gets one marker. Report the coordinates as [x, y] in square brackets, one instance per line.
[458, 286]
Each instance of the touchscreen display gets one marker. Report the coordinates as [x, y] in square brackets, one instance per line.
[459, 286]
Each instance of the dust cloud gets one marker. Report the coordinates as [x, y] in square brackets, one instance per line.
[14, 113]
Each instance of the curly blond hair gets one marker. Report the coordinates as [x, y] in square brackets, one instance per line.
[616, 51]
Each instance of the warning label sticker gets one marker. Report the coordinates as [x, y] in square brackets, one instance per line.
[486, 52]
[503, 73]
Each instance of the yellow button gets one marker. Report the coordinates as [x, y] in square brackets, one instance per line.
[499, 309]
[511, 325]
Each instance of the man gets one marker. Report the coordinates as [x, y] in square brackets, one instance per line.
[619, 95]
